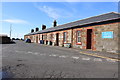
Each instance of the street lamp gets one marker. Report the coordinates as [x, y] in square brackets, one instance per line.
[10, 30]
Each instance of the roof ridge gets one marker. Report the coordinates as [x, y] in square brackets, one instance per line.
[101, 15]
[90, 17]
[112, 15]
[115, 12]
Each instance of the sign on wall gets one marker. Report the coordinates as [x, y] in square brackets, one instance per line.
[107, 34]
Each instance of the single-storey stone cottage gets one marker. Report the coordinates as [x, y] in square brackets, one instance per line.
[101, 33]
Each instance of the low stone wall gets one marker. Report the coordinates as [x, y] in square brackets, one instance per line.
[4, 40]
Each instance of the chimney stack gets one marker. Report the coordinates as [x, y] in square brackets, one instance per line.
[43, 27]
[32, 30]
[54, 23]
[36, 29]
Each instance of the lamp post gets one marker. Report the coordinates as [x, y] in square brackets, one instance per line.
[10, 30]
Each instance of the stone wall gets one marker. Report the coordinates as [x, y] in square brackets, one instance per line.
[98, 43]
[106, 44]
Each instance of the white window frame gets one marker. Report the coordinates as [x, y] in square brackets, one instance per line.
[79, 36]
[64, 36]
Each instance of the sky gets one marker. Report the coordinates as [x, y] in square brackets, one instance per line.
[24, 16]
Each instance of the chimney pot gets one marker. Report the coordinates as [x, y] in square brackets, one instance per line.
[54, 23]
[37, 29]
[43, 27]
[32, 30]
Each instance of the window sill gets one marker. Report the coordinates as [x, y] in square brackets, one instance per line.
[79, 43]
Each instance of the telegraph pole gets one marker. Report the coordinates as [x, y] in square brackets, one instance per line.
[10, 30]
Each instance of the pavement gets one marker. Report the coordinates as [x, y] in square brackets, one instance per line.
[99, 54]
[30, 60]
[105, 55]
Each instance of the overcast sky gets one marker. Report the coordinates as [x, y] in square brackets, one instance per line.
[25, 16]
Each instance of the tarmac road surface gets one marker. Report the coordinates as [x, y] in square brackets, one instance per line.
[30, 60]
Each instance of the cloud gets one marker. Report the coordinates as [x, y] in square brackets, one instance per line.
[16, 21]
[54, 12]
[51, 12]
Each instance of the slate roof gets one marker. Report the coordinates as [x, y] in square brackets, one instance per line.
[94, 19]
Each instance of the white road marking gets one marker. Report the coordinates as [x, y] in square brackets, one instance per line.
[86, 58]
[110, 60]
[25, 52]
[97, 59]
[74, 57]
[53, 55]
[50, 55]
[29, 52]
[63, 56]
[36, 53]
[17, 51]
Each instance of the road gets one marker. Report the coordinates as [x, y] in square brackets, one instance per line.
[30, 60]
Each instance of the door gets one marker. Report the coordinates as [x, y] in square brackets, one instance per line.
[89, 39]
[42, 37]
[36, 39]
[57, 39]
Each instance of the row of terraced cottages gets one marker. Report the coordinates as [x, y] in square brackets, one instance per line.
[99, 33]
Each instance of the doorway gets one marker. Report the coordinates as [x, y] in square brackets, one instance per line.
[36, 39]
[57, 39]
[42, 37]
[89, 39]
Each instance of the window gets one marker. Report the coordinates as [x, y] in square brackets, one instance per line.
[51, 36]
[44, 37]
[78, 36]
[64, 36]
[39, 37]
